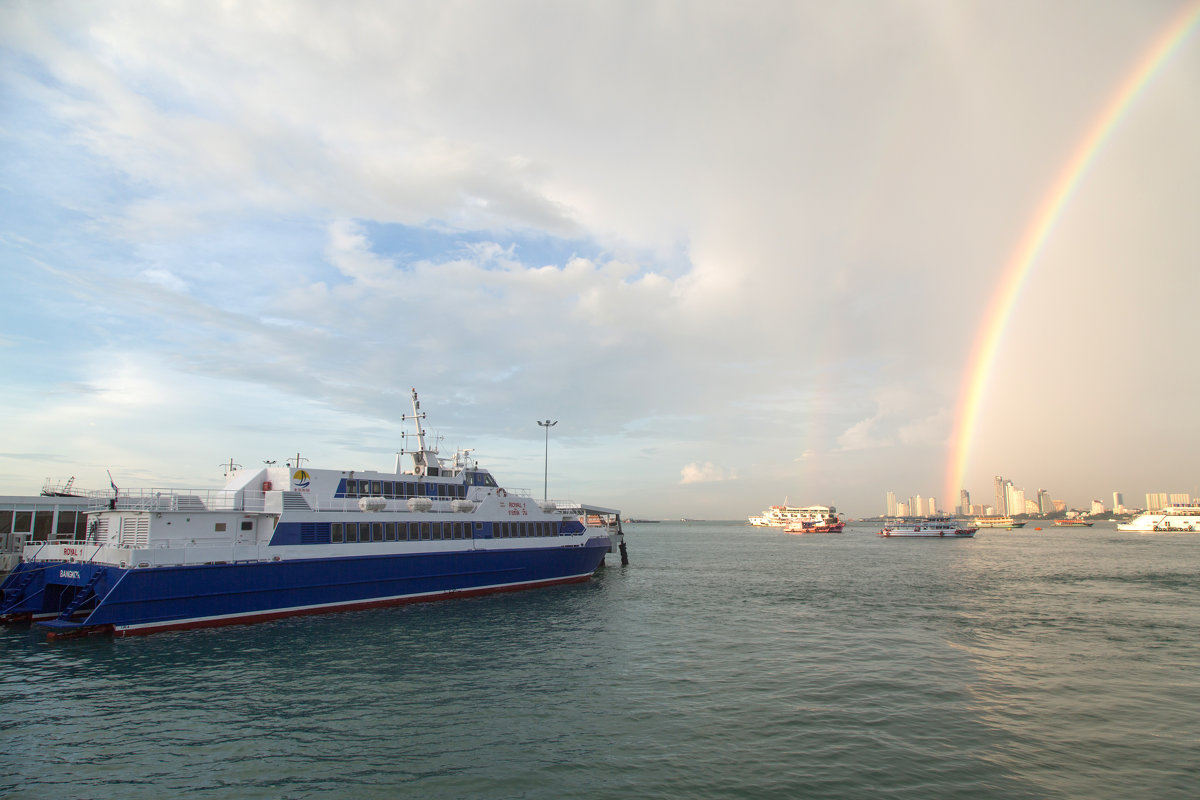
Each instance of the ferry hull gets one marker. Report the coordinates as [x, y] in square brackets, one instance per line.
[147, 600]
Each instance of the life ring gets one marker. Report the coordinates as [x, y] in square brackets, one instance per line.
[501, 493]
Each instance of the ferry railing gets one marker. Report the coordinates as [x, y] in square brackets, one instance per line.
[172, 500]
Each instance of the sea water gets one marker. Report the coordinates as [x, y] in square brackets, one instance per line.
[723, 662]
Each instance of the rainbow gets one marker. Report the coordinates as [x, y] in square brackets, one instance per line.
[991, 331]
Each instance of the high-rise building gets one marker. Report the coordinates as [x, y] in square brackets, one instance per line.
[1156, 501]
[1044, 503]
[918, 506]
[964, 503]
[1014, 499]
[1118, 503]
[891, 504]
[1097, 507]
[931, 506]
[1180, 498]
[1001, 501]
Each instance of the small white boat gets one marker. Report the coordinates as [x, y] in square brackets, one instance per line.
[998, 522]
[810, 526]
[928, 529]
[1177, 518]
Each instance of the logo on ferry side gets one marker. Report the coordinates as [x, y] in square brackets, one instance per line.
[300, 479]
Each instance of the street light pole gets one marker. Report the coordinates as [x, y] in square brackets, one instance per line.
[546, 471]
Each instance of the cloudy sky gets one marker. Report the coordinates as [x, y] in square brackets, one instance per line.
[741, 252]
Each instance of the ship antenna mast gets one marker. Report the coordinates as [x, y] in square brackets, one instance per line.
[421, 456]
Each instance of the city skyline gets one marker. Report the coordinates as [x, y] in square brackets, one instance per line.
[807, 251]
[1006, 497]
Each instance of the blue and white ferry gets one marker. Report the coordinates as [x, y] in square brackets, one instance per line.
[283, 541]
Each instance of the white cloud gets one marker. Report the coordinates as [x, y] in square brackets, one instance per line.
[165, 279]
[705, 473]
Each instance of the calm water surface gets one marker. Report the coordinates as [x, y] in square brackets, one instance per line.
[724, 662]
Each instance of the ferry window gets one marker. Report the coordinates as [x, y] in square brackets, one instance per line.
[336, 532]
[425, 532]
[408, 490]
[388, 489]
[247, 525]
[376, 531]
[351, 488]
[444, 490]
[220, 526]
[437, 530]
[351, 531]
[42, 523]
[389, 532]
[66, 523]
[6, 521]
[22, 521]
[377, 487]
[467, 532]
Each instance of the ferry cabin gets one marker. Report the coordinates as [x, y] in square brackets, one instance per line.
[281, 512]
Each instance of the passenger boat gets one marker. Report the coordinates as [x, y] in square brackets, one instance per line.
[1072, 522]
[283, 541]
[928, 529]
[997, 522]
[785, 515]
[809, 526]
[1184, 518]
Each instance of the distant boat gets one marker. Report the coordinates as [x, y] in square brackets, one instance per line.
[785, 515]
[1183, 518]
[997, 522]
[808, 526]
[928, 529]
[1073, 522]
